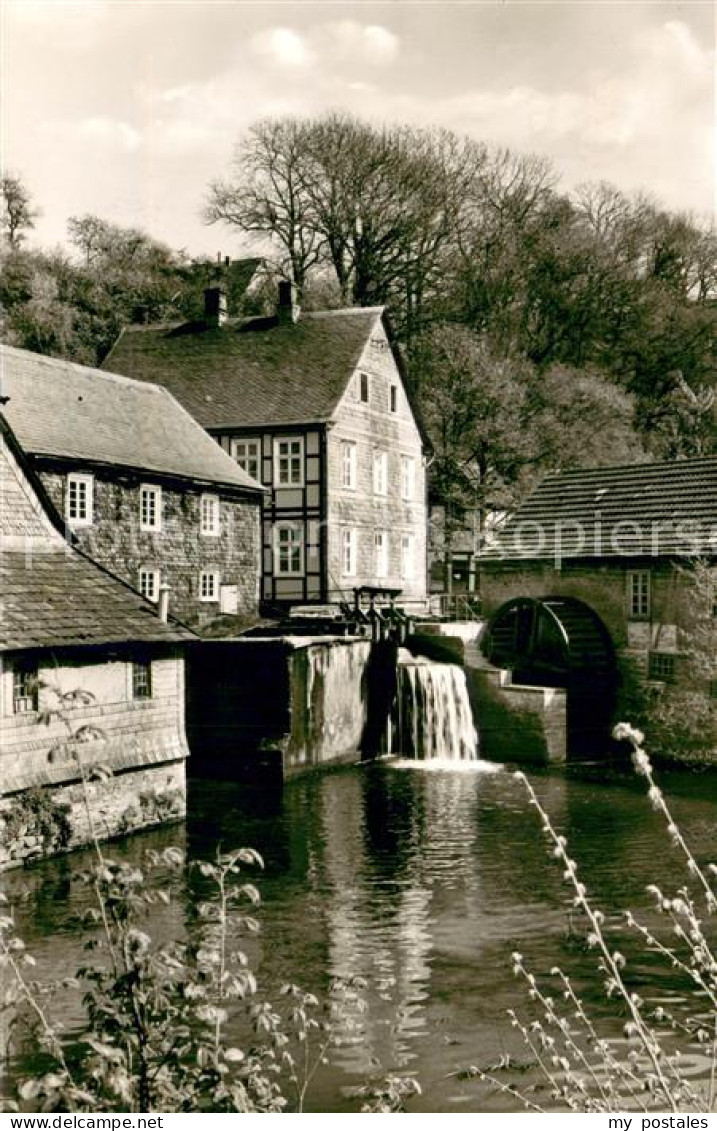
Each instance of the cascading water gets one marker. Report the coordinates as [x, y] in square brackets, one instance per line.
[432, 715]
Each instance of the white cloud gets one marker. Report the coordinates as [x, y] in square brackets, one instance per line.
[350, 41]
[283, 46]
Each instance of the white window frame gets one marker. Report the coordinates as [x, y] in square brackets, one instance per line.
[155, 492]
[87, 482]
[209, 505]
[278, 457]
[209, 594]
[639, 594]
[380, 553]
[408, 551]
[349, 464]
[152, 592]
[247, 459]
[408, 478]
[348, 551]
[380, 471]
[298, 570]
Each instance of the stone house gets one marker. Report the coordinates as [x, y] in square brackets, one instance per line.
[79, 652]
[144, 490]
[316, 406]
[623, 541]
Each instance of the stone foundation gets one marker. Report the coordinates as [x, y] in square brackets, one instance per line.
[47, 820]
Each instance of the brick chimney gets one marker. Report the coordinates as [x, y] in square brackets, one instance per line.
[215, 306]
[288, 310]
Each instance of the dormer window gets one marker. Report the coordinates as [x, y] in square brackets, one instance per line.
[150, 507]
[79, 500]
[363, 387]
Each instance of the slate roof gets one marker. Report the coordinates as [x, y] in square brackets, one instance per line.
[58, 598]
[251, 373]
[51, 595]
[60, 409]
[643, 510]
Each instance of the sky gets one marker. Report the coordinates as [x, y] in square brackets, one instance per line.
[127, 109]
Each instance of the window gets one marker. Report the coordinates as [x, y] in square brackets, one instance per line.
[407, 556]
[289, 461]
[24, 688]
[209, 583]
[638, 595]
[150, 507]
[79, 500]
[363, 387]
[408, 477]
[661, 665]
[142, 679]
[209, 507]
[348, 552]
[348, 465]
[380, 473]
[246, 453]
[380, 544]
[289, 549]
[394, 398]
[149, 584]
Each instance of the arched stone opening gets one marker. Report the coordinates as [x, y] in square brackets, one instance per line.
[560, 642]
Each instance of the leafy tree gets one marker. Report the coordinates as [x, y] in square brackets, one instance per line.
[18, 211]
[498, 424]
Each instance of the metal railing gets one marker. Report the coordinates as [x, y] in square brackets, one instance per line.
[456, 606]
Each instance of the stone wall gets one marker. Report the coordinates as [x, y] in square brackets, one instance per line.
[374, 426]
[603, 586]
[179, 550]
[46, 821]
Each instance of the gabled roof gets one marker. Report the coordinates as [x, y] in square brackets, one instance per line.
[252, 373]
[52, 595]
[69, 411]
[643, 510]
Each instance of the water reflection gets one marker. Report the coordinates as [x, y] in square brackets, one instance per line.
[420, 883]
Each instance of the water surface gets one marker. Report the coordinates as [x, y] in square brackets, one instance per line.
[422, 882]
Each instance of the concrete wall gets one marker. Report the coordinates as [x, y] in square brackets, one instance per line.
[179, 550]
[517, 723]
[283, 705]
[374, 426]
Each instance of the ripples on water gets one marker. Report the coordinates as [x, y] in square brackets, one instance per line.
[420, 882]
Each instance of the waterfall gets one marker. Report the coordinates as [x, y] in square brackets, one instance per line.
[432, 715]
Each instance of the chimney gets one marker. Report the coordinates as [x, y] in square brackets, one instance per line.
[215, 306]
[163, 611]
[288, 310]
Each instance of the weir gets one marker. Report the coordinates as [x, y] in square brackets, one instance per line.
[431, 716]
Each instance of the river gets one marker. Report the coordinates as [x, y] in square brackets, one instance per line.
[422, 880]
